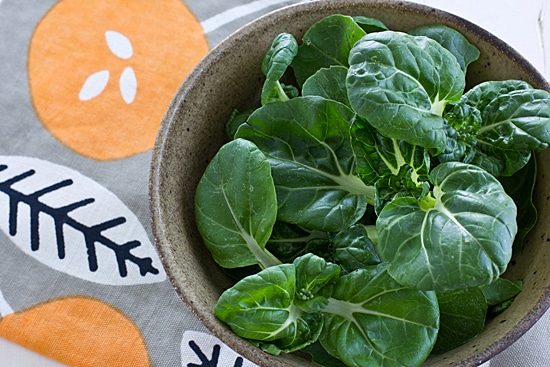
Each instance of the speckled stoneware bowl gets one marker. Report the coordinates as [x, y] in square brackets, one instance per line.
[229, 77]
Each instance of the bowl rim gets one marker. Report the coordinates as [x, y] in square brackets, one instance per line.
[159, 150]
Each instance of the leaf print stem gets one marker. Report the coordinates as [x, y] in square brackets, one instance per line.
[93, 235]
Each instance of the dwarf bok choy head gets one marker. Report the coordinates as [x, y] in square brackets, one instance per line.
[463, 172]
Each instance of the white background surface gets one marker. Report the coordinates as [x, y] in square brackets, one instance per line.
[525, 25]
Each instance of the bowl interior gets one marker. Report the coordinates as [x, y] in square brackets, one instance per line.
[229, 77]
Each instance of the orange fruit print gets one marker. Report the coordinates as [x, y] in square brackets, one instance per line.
[101, 73]
[78, 331]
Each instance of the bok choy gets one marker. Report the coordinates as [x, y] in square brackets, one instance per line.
[375, 195]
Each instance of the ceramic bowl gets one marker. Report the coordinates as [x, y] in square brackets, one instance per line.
[230, 77]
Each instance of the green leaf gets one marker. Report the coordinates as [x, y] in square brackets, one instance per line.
[483, 93]
[462, 121]
[326, 43]
[307, 143]
[261, 307]
[322, 248]
[402, 184]
[288, 241]
[320, 356]
[513, 120]
[290, 90]
[401, 84]
[370, 25]
[519, 120]
[236, 206]
[278, 308]
[236, 119]
[328, 83]
[378, 155]
[462, 317]
[520, 187]
[239, 273]
[371, 320]
[312, 274]
[501, 290]
[353, 249]
[500, 162]
[500, 294]
[452, 40]
[460, 237]
[277, 59]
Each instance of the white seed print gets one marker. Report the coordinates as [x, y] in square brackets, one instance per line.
[119, 44]
[128, 85]
[94, 85]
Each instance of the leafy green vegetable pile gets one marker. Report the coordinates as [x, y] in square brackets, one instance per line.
[372, 201]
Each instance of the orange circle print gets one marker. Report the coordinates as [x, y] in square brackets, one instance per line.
[102, 73]
[78, 331]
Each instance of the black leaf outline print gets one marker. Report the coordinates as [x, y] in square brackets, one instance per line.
[205, 362]
[92, 234]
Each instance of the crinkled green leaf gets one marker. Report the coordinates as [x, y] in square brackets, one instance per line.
[519, 120]
[373, 321]
[326, 43]
[483, 93]
[261, 307]
[501, 162]
[278, 309]
[378, 155]
[514, 119]
[401, 84]
[307, 143]
[452, 40]
[236, 206]
[462, 122]
[401, 184]
[460, 237]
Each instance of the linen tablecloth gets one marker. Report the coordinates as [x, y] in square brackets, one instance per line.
[83, 87]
